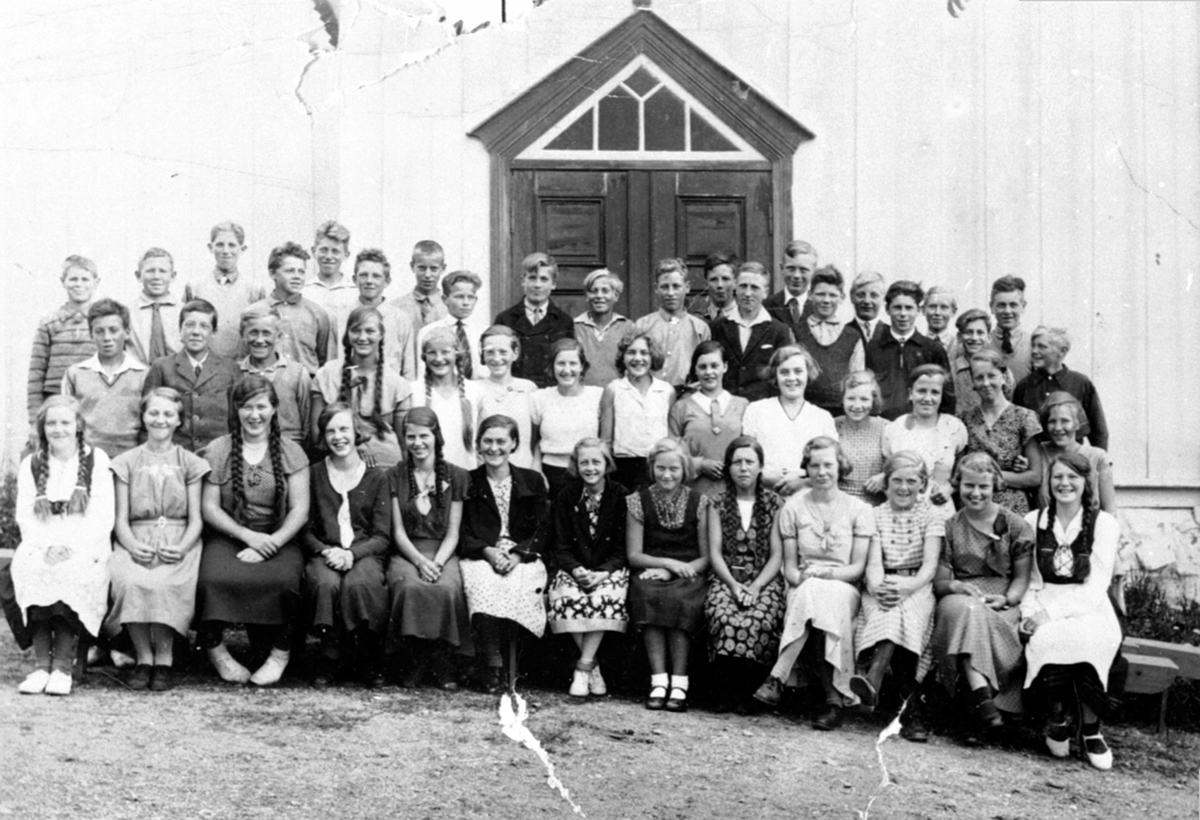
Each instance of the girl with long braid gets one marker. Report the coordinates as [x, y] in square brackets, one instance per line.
[60, 568]
[453, 398]
[255, 502]
[428, 607]
[1073, 631]
[379, 394]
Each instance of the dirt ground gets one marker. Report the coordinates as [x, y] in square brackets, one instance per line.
[206, 750]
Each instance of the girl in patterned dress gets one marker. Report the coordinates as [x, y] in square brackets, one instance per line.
[745, 606]
[896, 618]
[666, 536]
[501, 393]
[504, 537]
[981, 578]
[860, 431]
[825, 538]
[158, 525]
[587, 594]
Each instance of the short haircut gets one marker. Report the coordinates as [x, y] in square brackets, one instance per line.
[782, 354]
[1008, 284]
[906, 460]
[427, 247]
[739, 443]
[592, 443]
[845, 468]
[293, 249]
[1060, 398]
[453, 278]
[716, 260]
[861, 378]
[198, 306]
[335, 231]
[331, 410]
[228, 227]
[498, 420]
[256, 312]
[156, 253]
[828, 275]
[798, 247]
[82, 262]
[904, 287]
[754, 267]
[943, 290]
[562, 346]
[973, 315]
[672, 445]
[168, 393]
[673, 265]
[990, 355]
[107, 307]
[1056, 335]
[657, 357]
[374, 255]
[703, 349]
[867, 277]
[604, 273]
[501, 330]
[927, 370]
[978, 462]
[537, 261]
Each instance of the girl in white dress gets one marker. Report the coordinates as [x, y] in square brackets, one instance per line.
[454, 399]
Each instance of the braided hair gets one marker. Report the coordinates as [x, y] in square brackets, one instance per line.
[425, 417]
[77, 504]
[1081, 547]
[468, 415]
[251, 387]
[358, 317]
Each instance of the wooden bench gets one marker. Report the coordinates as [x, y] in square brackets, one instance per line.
[1154, 666]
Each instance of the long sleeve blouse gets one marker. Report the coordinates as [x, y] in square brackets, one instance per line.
[370, 514]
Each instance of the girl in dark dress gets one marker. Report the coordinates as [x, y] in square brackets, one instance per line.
[346, 540]
[666, 535]
[428, 607]
[255, 502]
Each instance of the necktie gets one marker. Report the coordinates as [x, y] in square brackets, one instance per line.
[197, 370]
[464, 350]
[794, 309]
[902, 365]
[1006, 346]
[158, 338]
[866, 329]
[424, 306]
[537, 315]
[714, 416]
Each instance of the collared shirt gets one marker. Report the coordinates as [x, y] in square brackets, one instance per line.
[639, 420]
[141, 321]
[337, 299]
[703, 307]
[1031, 391]
[111, 402]
[196, 363]
[676, 336]
[795, 304]
[867, 327]
[600, 346]
[479, 371]
[305, 332]
[399, 346]
[535, 313]
[745, 327]
[293, 387]
[1018, 360]
[230, 297]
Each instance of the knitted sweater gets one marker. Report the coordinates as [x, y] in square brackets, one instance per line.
[61, 340]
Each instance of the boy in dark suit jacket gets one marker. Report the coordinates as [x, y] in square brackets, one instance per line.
[751, 336]
[791, 305]
[537, 321]
[203, 379]
[902, 349]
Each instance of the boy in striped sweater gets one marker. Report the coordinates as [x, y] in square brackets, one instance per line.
[63, 338]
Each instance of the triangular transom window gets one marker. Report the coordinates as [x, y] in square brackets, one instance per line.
[641, 113]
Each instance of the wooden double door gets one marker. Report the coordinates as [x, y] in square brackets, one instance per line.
[626, 220]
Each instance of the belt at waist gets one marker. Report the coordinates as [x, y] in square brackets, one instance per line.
[911, 571]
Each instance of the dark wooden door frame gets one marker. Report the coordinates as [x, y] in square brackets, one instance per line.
[508, 132]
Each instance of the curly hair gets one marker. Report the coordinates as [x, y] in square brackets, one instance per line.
[657, 357]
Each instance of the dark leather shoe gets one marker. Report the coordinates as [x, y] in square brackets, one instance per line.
[162, 679]
[828, 719]
[989, 715]
[914, 730]
[139, 676]
[494, 682]
[865, 691]
[655, 702]
[770, 692]
[677, 703]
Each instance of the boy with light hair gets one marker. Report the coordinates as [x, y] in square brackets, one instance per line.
[1048, 347]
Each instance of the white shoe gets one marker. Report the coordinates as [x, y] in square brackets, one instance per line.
[579, 684]
[59, 683]
[272, 669]
[227, 667]
[35, 682]
[119, 659]
[1097, 751]
[94, 655]
[596, 684]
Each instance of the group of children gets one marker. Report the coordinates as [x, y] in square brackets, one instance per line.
[681, 470]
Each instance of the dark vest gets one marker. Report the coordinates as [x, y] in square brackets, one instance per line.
[682, 544]
[826, 390]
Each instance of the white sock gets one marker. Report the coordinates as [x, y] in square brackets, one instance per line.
[659, 680]
[679, 682]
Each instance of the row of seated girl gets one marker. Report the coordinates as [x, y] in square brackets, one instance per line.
[425, 551]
